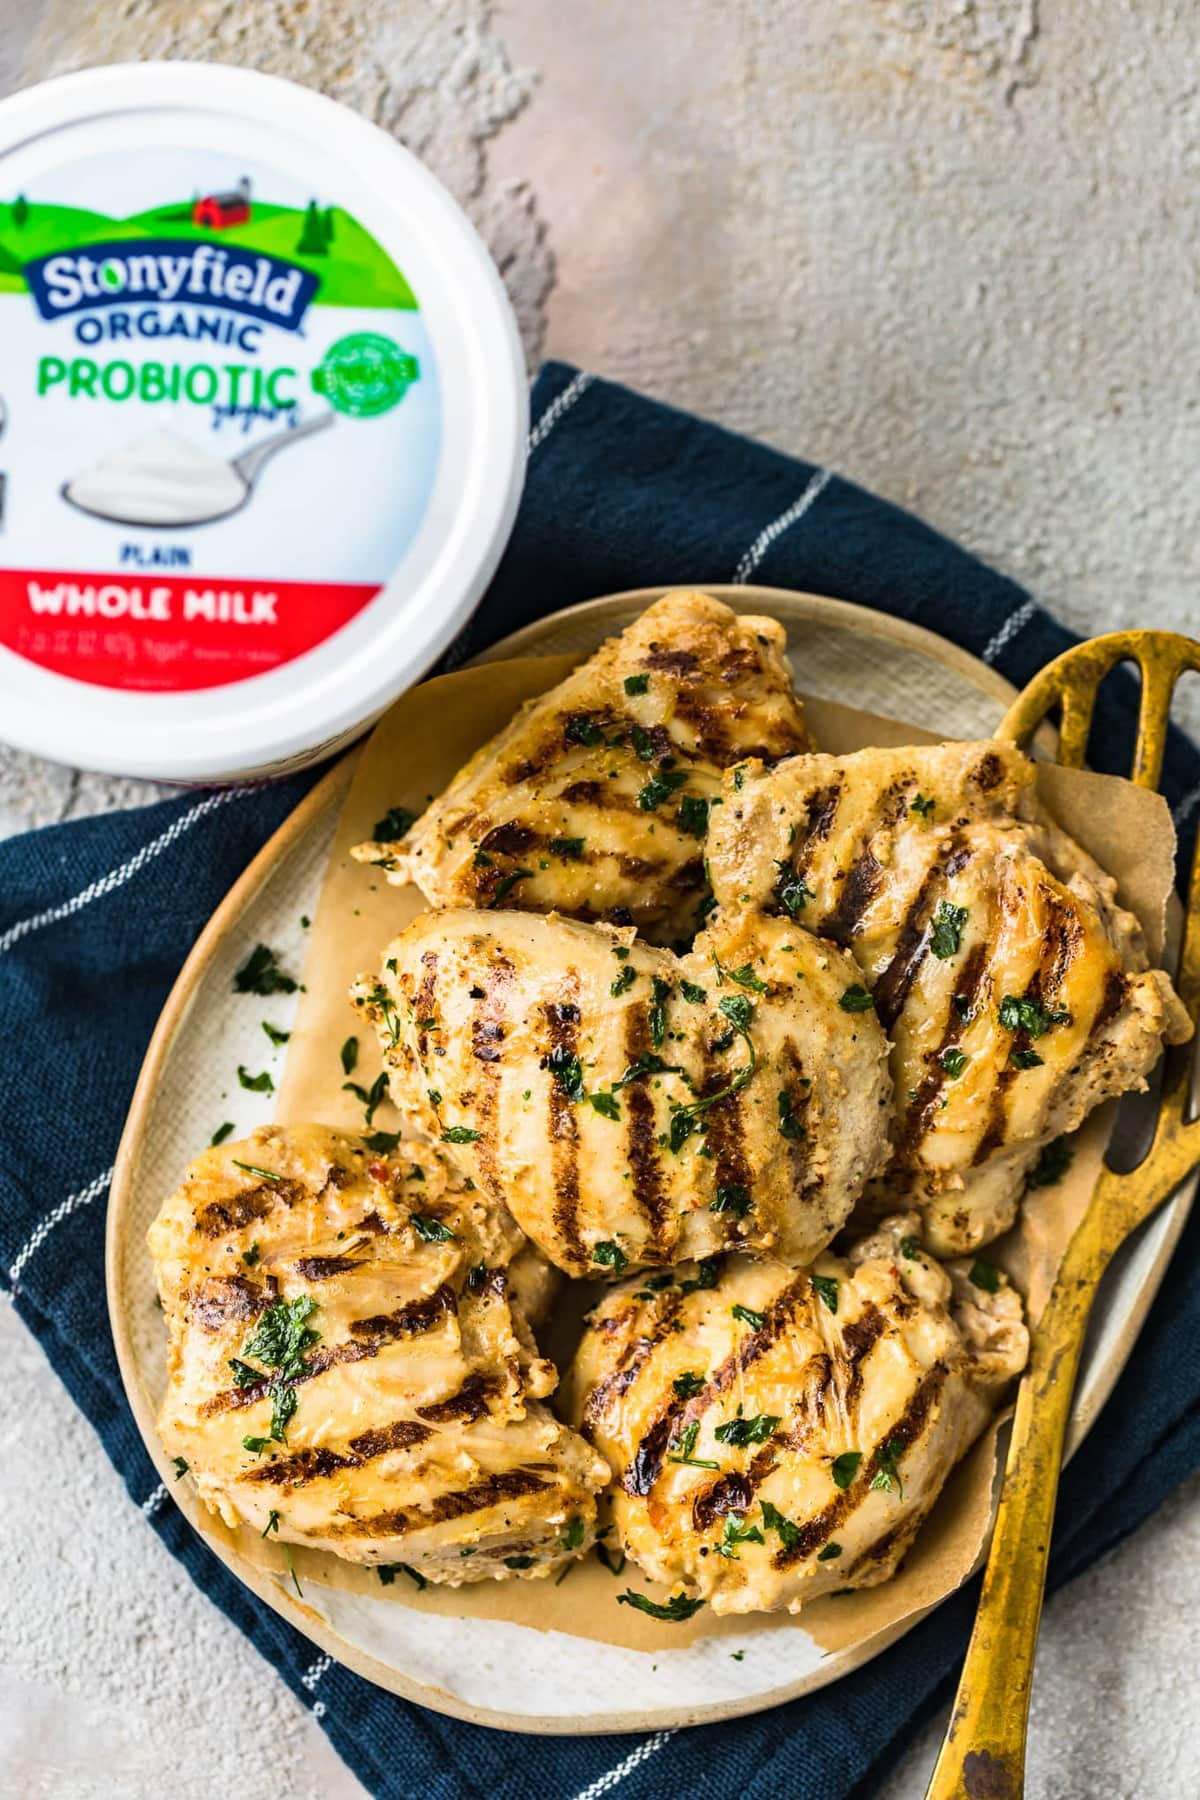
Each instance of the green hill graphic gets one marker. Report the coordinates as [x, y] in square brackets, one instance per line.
[352, 269]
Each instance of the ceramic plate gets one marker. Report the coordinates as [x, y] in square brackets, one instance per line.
[492, 1671]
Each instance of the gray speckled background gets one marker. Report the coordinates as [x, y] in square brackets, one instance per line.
[949, 247]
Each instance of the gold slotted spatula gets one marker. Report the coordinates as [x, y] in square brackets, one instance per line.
[983, 1753]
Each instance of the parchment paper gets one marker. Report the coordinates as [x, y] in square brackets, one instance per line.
[411, 755]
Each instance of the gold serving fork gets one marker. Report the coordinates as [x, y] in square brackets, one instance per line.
[983, 1753]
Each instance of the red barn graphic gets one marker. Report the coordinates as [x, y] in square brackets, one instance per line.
[218, 211]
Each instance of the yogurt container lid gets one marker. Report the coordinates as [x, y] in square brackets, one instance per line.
[262, 420]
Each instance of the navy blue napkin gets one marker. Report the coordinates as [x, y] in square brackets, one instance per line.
[97, 916]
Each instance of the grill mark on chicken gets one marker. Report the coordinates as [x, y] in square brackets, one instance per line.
[641, 1136]
[725, 1129]
[423, 1004]
[895, 982]
[324, 1268]
[488, 1027]
[619, 1381]
[470, 1402]
[562, 1023]
[225, 1299]
[367, 1338]
[920, 1113]
[513, 1484]
[647, 1463]
[863, 880]
[815, 1531]
[799, 1093]
[819, 815]
[708, 720]
[605, 796]
[859, 1338]
[305, 1466]
[221, 1216]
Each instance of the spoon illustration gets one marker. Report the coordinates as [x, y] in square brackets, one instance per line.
[166, 482]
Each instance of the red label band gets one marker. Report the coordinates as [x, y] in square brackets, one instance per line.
[166, 633]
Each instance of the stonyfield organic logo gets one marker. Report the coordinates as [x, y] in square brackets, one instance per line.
[133, 270]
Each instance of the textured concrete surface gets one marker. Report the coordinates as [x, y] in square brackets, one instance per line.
[949, 247]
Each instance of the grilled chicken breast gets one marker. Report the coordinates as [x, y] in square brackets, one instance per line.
[593, 801]
[775, 1432]
[1013, 986]
[347, 1368]
[632, 1107]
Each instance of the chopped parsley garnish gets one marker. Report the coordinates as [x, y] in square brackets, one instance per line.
[677, 1609]
[272, 1523]
[636, 684]
[738, 1010]
[739, 776]
[682, 1449]
[1026, 1059]
[257, 1084]
[946, 936]
[985, 1275]
[222, 1132]
[243, 1374]
[789, 1124]
[567, 1071]
[349, 1055]
[181, 1466]
[744, 977]
[791, 890]
[387, 1573]
[625, 979]
[605, 1104]
[844, 1468]
[614, 1564]
[572, 1538]
[748, 1316]
[737, 1532]
[887, 1475]
[910, 1247]
[1017, 1014]
[787, 1533]
[396, 822]
[276, 1036]
[579, 729]
[692, 816]
[280, 1340]
[923, 806]
[660, 787]
[829, 1553]
[657, 1017]
[383, 1143]
[954, 1062]
[646, 1064]
[826, 1288]
[1050, 1166]
[610, 1256]
[733, 1199]
[741, 1432]
[460, 1134]
[857, 999]
[255, 1445]
[708, 1273]
[688, 1385]
[431, 1231]
[508, 884]
[569, 848]
[261, 974]
[695, 996]
[254, 1169]
[372, 1097]
[250, 1257]
[643, 744]
[519, 1562]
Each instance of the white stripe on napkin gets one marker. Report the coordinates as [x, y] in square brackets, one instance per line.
[1012, 626]
[777, 527]
[115, 878]
[605, 1784]
[577, 386]
[62, 1211]
[152, 1502]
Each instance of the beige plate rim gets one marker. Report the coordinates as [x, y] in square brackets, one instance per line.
[328, 792]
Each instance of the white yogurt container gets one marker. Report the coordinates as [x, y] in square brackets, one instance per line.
[262, 421]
